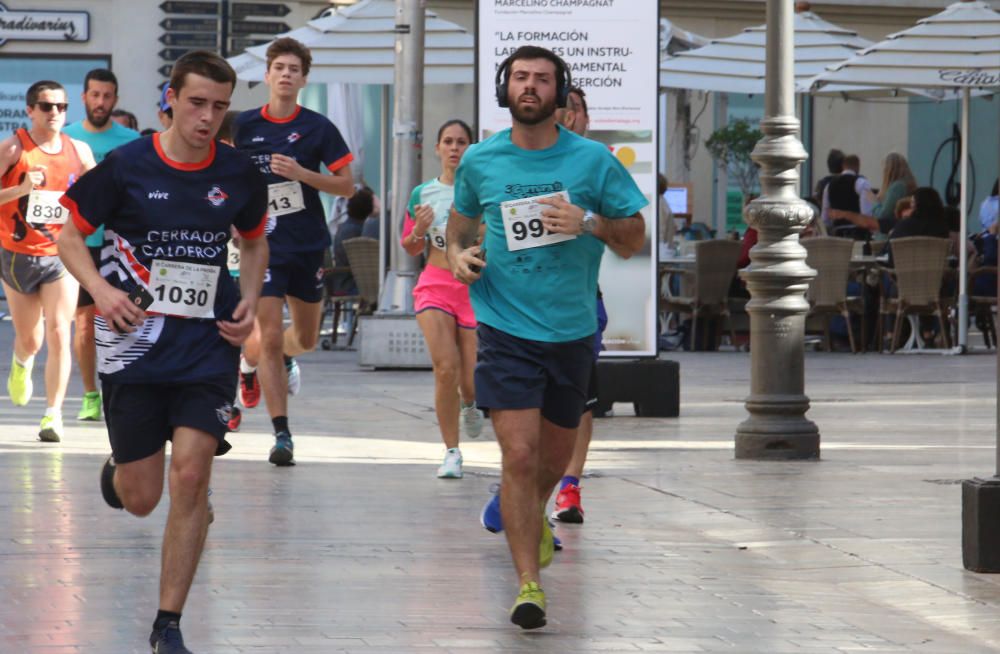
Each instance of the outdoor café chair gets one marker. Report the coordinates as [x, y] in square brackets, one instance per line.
[830, 257]
[919, 265]
[714, 268]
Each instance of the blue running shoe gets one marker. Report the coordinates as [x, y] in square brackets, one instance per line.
[282, 452]
[490, 517]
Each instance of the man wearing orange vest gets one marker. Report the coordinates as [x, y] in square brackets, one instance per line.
[40, 163]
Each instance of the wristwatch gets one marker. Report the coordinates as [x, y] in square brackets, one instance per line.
[589, 222]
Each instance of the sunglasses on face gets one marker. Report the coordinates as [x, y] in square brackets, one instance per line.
[49, 106]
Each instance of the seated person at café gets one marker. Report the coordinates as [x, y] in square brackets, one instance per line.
[359, 207]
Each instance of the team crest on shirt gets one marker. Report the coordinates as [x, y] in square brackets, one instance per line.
[293, 137]
[216, 196]
[224, 413]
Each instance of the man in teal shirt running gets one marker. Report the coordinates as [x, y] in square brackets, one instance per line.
[551, 201]
[100, 95]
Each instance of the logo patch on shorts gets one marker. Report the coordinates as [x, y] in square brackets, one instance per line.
[225, 413]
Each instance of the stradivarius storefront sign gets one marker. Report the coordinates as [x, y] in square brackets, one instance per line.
[43, 25]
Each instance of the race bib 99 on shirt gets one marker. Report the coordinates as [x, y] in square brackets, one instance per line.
[522, 223]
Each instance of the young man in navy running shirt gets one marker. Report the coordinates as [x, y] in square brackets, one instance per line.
[170, 319]
[290, 143]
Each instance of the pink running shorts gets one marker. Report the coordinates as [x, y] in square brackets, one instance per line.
[438, 289]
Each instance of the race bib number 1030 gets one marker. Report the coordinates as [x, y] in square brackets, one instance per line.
[183, 289]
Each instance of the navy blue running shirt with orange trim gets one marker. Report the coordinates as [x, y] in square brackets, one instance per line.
[157, 209]
[296, 223]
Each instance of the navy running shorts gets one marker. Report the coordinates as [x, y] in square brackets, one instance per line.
[141, 418]
[592, 389]
[300, 277]
[516, 373]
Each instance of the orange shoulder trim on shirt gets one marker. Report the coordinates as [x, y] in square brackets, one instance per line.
[74, 211]
[257, 231]
[340, 163]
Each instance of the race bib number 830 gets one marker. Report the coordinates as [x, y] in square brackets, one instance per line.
[44, 207]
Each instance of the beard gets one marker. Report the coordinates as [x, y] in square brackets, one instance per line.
[533, 114]
[98, 121]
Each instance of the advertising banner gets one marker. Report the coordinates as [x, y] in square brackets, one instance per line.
[611, 47]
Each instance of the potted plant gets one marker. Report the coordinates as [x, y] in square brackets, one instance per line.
[731, 146]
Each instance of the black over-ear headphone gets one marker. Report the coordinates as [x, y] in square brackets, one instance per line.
[564, 79]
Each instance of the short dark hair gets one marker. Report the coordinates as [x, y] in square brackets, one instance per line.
[129, 117]
[583, 97]
[288, 45]
[226, 128]
[202, 63]
[100, 75]
[853, 162]
[835, 161]
[460, 123]
[362, 204]
[528, 52]
[31, 97]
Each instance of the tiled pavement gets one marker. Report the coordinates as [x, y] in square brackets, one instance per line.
[361, 549]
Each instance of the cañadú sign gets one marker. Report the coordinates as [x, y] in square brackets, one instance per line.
[38, 25]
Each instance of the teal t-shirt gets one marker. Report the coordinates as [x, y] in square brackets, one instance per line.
[440, 197]
[546, 293]
[101, 143]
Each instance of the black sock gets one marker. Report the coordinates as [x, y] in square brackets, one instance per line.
[163, 618]
[280, 424]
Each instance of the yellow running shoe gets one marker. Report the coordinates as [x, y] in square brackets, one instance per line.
[547, 546]
[91, 407]
[50, 431]
[19, 383]
[528, 611]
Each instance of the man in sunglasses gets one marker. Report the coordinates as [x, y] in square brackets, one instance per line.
[40, 163]
[100, 95]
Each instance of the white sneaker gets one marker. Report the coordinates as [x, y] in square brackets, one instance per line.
[472, 420]
[294, 377]
[452, 466]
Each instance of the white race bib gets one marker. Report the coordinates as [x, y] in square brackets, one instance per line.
[285, 197]
[233, 258]
[183, 289]
[522, 223]
[436, 236]
[44, 207]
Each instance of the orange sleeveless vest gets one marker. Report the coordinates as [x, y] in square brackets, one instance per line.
[31, 224]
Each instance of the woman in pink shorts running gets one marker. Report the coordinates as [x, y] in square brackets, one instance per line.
[444, 312]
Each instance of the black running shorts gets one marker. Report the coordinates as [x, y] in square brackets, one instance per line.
[301, 277]
[141, 418]
[516, 373]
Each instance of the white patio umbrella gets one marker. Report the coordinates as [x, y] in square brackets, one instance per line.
[736, 64]
[957, 50]
[357, 45]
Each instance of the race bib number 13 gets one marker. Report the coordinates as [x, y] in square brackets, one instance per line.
[44, 207]
[285, 197]
[183, 289]
[522, 223]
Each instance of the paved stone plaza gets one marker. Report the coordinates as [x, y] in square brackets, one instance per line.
[361, 549]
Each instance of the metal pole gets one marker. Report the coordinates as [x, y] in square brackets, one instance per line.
[407, 122]
[778, 276]
[963, 291]
[385, 232]
[721, 199]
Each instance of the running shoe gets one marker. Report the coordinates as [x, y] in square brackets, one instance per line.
[91, 407]
[168, 640]
[490, 517]
[19, 383]
[50, 430]
[235, 418]
[249, 389]
[108, 484]
[452, 466]
[528, 611]
[282, 452]
[568, 507]
[547, 546]
[294, 376]
[472, 420]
